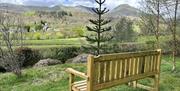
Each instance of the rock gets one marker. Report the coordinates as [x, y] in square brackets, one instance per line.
[82, 58]
[47, 62]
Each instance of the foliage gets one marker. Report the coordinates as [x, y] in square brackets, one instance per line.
[124, 30]
[27, 56]
[98, 28]
[29, 13]
[54, 14]
[79, 31]
[62, 54]
[8, 58]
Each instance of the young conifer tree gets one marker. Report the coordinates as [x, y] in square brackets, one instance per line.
[98, 27]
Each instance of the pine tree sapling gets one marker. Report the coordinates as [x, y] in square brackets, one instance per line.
[98, 27]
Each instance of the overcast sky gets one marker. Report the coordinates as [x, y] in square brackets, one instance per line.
[109, 3]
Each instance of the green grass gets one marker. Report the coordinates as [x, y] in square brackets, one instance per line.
[53, 78]
[53, 43]
[69, 41]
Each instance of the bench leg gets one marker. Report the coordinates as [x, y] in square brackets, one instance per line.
[156, 82]
[134, 84]
[71, 80]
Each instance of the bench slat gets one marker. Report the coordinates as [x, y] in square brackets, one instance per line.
[107, 69]
[101, 72]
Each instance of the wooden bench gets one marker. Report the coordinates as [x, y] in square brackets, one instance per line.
[110, 70]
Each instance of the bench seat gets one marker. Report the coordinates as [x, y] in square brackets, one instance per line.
[80, 85]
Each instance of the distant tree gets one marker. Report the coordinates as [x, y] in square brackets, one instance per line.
[170, 18]
[98, 29]
[8, 57]
[123, 31]
[147, 24]
[150, 17]
[166, 10]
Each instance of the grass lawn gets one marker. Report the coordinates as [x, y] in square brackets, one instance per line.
[53, 78]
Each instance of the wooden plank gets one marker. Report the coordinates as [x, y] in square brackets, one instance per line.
[115, 73]
[138, 65]
[159, 60]
[90, 71]
[71, 80]
[107, 71]
[151, 59]
[135, 66]
[156, 61]
[77, 73]
[112, 70]
[145, 87]
[102, 72]
[156, 82]
[121, 68]
[132, 66]
[128, 67]
[125, 67]
[154, 64]
[146, 67]
[145, 63]
[122, 81]
[96, 73]
[118, 69]
[117, 56]
[78, 82]
[141, 65]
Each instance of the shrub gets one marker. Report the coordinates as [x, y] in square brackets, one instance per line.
[37, 36]
[79, 31]
[124, 31]
[168, 46]
[28, 56]
[124, 47]
[62, 54]
[66, 53]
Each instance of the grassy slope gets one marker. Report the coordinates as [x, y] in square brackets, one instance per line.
[53, 78]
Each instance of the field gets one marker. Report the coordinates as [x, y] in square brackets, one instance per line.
[53, 78]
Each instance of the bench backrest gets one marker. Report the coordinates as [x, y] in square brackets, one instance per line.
[113, 69]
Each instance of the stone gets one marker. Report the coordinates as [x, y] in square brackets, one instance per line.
[47, 62]
[82, 58]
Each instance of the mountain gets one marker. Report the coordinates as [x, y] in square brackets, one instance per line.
[84, 9]
[124, 10]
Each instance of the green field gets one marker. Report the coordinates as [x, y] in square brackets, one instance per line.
[53, 78]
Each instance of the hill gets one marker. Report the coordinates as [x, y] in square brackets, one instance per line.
[124, 10]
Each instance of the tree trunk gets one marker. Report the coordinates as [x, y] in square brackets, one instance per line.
[174, 37]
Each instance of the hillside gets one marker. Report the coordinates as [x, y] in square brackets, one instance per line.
[124, 10]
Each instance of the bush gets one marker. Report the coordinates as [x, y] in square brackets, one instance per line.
[62, 54]
[119, 47]
[124, 47]
[27, 56]
[168, 46]
[37, 36]
[124, 31]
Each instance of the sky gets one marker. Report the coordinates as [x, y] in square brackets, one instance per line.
[90, 3]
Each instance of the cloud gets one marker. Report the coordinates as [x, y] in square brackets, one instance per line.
[91, 3]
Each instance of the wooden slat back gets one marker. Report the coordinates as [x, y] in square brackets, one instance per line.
[108, 68]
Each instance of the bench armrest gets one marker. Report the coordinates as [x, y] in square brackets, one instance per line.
[76, 73]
